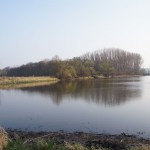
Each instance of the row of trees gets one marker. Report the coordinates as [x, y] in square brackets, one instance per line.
[115, 61]
[103, 62]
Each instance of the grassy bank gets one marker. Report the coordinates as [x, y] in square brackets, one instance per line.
[17, 140]
[14, 82]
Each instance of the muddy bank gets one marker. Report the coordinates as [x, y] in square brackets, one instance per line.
[90, 140]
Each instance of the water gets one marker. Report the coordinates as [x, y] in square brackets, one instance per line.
[108, 106]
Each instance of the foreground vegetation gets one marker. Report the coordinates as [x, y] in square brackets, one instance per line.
[106, 62]
[51, 145]
[15, 140]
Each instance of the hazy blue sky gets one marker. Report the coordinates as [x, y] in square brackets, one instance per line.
[31, 30]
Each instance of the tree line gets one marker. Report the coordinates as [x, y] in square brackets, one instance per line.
[107, 62]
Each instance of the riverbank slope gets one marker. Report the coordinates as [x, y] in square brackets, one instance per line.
[74, 141]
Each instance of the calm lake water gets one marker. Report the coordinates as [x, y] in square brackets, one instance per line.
[108, 106]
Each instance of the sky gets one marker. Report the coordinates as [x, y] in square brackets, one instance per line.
[33, 30]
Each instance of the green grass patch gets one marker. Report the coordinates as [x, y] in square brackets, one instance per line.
[39, 145]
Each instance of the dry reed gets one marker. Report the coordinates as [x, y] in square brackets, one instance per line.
[3, 138]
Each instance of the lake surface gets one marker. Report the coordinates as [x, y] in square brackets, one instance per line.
[108, 106]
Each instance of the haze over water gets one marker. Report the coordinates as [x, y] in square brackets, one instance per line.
[110, 106]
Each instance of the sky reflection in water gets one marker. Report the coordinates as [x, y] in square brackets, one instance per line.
[104, 106]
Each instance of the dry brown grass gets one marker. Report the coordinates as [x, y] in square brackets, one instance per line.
[3, 138]
[141, 147]
[14, 82]
[75, 146]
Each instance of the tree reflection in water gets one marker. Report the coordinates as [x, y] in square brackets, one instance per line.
[109, 92]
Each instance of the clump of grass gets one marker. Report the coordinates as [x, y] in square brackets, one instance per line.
[140, 147]
[75, 146]
[39, 145]
[3, 138]
[15, 145]
[47, 145]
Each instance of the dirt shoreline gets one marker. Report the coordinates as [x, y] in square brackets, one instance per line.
[114, 142]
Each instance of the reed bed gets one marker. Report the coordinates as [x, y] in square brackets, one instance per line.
[18, 82]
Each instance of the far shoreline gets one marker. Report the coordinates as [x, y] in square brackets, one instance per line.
[32, 81]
